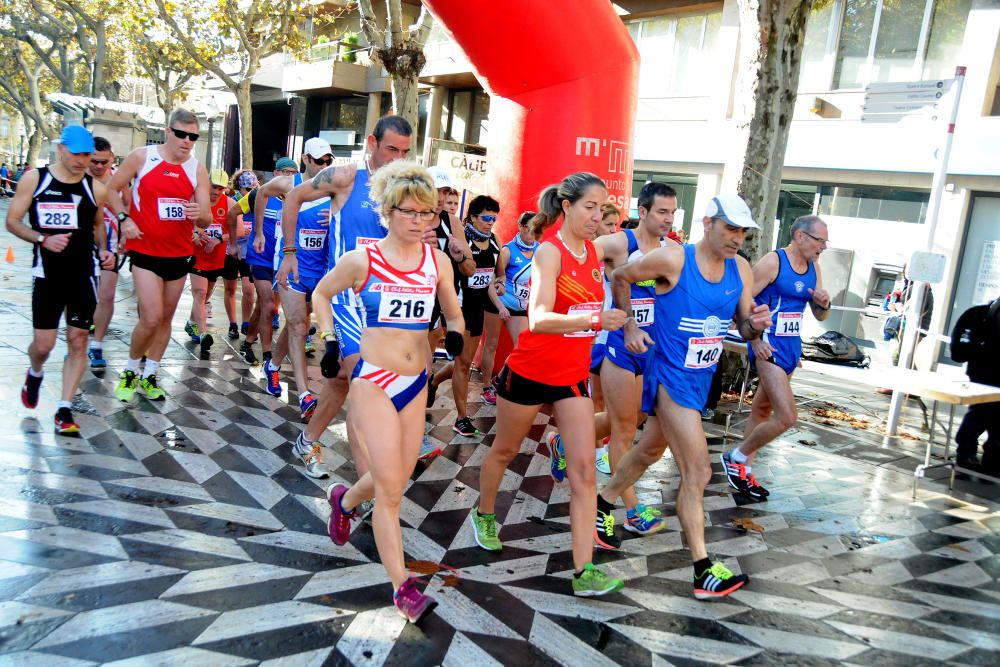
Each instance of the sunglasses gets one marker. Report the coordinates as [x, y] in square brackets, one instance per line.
[99, 162]
[322, 161]
[181, 134]
[488, 218]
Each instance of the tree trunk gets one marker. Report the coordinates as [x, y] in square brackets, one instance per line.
[404, 67]
[771, 37]
[34, 146]
[246, 122]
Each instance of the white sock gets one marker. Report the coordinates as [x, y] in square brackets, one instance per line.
[132, 365]
[65, 404]
[271, 366]
[96, 345]
[737, 456]
[151, 368]
[35, 374]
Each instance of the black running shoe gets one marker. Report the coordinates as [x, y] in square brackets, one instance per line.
[718, 582]
[755, 490]
[29, 391]
[465, 427]
[234, 331]
[605, 535]
[65, 423]
[736, 475]
[206, 344]
[246, 349]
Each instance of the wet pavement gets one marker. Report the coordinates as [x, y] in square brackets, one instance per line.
[186, 532]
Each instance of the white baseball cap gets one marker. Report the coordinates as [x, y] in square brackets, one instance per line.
[441, 177]
[317, 147]
[732, 210]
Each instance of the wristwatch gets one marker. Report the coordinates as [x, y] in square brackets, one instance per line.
[121, 216]
[41, 239]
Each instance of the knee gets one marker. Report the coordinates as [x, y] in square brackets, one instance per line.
[786, 417]
[299, 328]
[697, 474]
[151, 316]
[649, 455]
[44, 347]
[388, 499]
[582, 476]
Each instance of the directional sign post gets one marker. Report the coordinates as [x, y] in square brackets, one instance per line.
[890, 102]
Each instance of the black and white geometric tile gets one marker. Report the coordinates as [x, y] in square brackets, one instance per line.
[186, 533]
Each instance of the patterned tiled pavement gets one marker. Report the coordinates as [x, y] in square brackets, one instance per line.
[185, 532]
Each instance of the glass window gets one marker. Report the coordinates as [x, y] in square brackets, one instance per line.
[678, 55]
[813, 72]
[654, 53]
[947, 32]
[874, 202]
[855, 39]
[897, 45]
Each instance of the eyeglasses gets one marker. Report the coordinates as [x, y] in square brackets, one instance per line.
[817, 238]
[488, 218]
[322, 161]
[411, 214]
[288, 172]
[181, 134]
[99, 162]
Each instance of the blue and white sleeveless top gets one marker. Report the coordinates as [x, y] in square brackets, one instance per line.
[398, 299]
[643, 293]
[357, 222]
[692, 320]
[310, 237]
[518, 275]
[272, 232]
[787, 297]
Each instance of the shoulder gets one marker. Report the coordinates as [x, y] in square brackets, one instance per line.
[336, 178]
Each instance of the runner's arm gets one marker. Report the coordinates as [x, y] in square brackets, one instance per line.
[350, 270]
[751, 320]
[820, 303]
[545, 271]
[765, 271]
[446, 294]
[121, 179]
[100, 230]
[19, 206]
[233, 221]
[466, 263]
[202, 197]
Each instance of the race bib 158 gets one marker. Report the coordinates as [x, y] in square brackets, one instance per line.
[169, 208]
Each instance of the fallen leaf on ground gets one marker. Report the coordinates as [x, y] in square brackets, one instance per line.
[748, 524]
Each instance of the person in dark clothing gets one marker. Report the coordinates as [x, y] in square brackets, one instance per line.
[976, 340]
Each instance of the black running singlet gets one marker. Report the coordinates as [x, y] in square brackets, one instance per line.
[64, 208]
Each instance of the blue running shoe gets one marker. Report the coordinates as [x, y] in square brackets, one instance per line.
[557, 457]
[273, 380]
[275, 322]
[643, 520]
[97, 358]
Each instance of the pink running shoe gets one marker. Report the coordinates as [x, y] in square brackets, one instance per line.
[411, 603]
[340, 521]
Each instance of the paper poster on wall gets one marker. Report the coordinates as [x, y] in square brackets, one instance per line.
[988, 279]
[468, 172]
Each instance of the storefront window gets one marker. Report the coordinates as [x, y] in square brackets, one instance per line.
[874, 202]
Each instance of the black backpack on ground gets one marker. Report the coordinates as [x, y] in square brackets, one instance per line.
[834, 347]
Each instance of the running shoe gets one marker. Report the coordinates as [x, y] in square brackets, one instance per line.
[191, 329]
[604, 532]
[339, 526]
[411, 603]
[643, 520]
[65, 424]
[490, 395]
[307, 405]
[365, 509]
[275, 321]
[718, 582]
[206, 344]
[97, 359]
[244, 328]
[125, 391]
[485, 526]
[736, 475]
[310, 348]
[755, 490]
[557, 458]
[246, 349]
[428, 449]
[311, 456]
[707, 414]
[602, 461]
[465, 428]
[273, 377]
[151, 388]
[593, 583]
[234, 331]
[29, 391]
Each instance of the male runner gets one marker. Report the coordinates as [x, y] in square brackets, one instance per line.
[306, 242]
[240, 226]
[699, 289]
[786, 280]
[354, 223]
[65, 211]
[260, 256]
[100, 170]
[211, 262]
[170, 194]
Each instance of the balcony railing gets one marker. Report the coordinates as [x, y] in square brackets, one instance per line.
[335, 50]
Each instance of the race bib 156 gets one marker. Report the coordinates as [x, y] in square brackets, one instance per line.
[312, 239]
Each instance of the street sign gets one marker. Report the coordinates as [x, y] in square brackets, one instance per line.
[897, 107]
[926, 267]
[941, 85]
[892, 102]
[926, 96]
[897, 117]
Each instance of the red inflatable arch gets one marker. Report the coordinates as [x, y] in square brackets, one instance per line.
[562, 76]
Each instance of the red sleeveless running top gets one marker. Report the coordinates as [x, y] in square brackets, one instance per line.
[215, 260]
[563, 359]
[159, 192]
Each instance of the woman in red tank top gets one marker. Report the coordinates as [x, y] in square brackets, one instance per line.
[550, 366]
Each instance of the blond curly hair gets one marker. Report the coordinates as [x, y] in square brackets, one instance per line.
[396, 181]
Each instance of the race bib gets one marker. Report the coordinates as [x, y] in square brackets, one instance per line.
[481, 278]
[57, 216]
[521, 293]
[642, 311]
[405, 304]
[171, 209]
[312, 239]
[579, 309]
[703, 352]
[215, 231]
[788, 324]
[247, 227]
[363, 241]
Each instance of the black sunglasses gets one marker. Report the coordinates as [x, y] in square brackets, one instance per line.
[322, 161]
[99, 162]
[181, 134]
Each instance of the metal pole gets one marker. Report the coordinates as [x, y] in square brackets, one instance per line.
[916, 300]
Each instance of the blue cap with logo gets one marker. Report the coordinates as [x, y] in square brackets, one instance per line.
[77, 139]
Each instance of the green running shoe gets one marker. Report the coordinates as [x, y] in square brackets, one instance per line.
[152, 391]
[125, 391]
[594, 583]
[485, 526]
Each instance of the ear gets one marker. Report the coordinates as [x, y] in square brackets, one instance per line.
[371, 143]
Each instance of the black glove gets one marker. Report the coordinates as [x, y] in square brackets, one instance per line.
[454, 343]
[329, 365]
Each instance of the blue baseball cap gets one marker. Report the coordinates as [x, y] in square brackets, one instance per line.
[77, 139]
[285, 163]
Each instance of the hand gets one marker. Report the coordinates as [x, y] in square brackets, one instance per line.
[761, 348]
[233, 250]
[289, 265]
[198, 240]
[637, 341]
[760, 318]
[107, 259]
[430, 235]
[329, 365]
[455, 249]
[504, 313]
[258, 243]
[454, 343]
[323, 217]
[612, 320]
[209, 243]
[192, 211]
[55, 242]
[821, 298]
[129, 229]
[500, 285]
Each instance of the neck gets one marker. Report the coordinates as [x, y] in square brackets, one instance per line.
[63, 174]
[707, 256]
[795, 256]
[645, 235]
[402, 247]
[172, 156]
